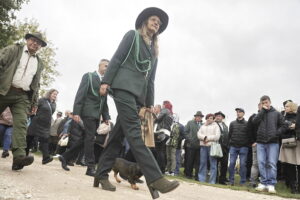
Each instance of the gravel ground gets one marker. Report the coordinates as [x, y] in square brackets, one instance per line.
[50, 181]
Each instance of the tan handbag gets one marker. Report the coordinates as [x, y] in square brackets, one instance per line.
[147, 123]
[289, 142]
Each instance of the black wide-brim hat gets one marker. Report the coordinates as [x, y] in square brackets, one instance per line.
[220, 113]
[153, 11]
[198, 113]
[37, 36]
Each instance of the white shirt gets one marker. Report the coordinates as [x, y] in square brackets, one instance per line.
[25, 71]
[100, 76]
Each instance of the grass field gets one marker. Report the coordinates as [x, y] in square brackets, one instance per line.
[281, 188]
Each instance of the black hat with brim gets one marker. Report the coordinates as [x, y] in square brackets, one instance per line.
[198, 113]
[37, 36]
[153, 11]
[220, 113]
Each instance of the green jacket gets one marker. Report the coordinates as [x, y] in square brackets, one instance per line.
[88, 102]
[9, 60]
[191, 129]
[125, 76]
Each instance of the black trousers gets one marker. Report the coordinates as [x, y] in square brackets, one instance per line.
[192, 162]
[43, 145]
[53, 144]
[130, 157]
[249, 162]
[87, 143]
[223, 163]
[97, 152]
[161, 156]
[292, 174]
[128, 124]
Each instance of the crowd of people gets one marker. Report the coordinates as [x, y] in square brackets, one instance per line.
[267, 145]
[152, 136]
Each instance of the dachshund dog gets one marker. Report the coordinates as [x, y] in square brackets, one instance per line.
[127, 170]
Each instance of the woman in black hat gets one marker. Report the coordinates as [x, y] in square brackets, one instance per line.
[130, 80]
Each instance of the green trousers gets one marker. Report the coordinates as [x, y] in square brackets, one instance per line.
[128, 124]
[19, 105]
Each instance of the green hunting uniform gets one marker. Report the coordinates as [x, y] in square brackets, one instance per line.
[19, 101]
[132, 86]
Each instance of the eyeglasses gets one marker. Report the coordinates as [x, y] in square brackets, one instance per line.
[34, 40]
[153, 19]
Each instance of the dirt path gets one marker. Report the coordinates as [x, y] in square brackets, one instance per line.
[52, 182]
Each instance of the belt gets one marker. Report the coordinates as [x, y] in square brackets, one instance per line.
[17, 89]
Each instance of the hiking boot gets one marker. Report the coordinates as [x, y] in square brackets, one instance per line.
[105, 184]
[162, 185]
[5, 154]
[21, 161]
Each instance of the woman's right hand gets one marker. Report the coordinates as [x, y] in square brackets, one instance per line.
[103, 89]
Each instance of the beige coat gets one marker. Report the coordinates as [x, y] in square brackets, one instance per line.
[290, 155]
[211, 131]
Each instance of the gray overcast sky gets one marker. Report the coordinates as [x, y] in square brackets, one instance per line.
[215, 54]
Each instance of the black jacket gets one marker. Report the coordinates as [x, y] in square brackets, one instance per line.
[164, 120]
[270, 126]
[252, 129]
[238, 135]
[41, 122]
[289, 118]
[76, 132]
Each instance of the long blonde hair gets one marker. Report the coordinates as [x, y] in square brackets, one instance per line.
[147, 39]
